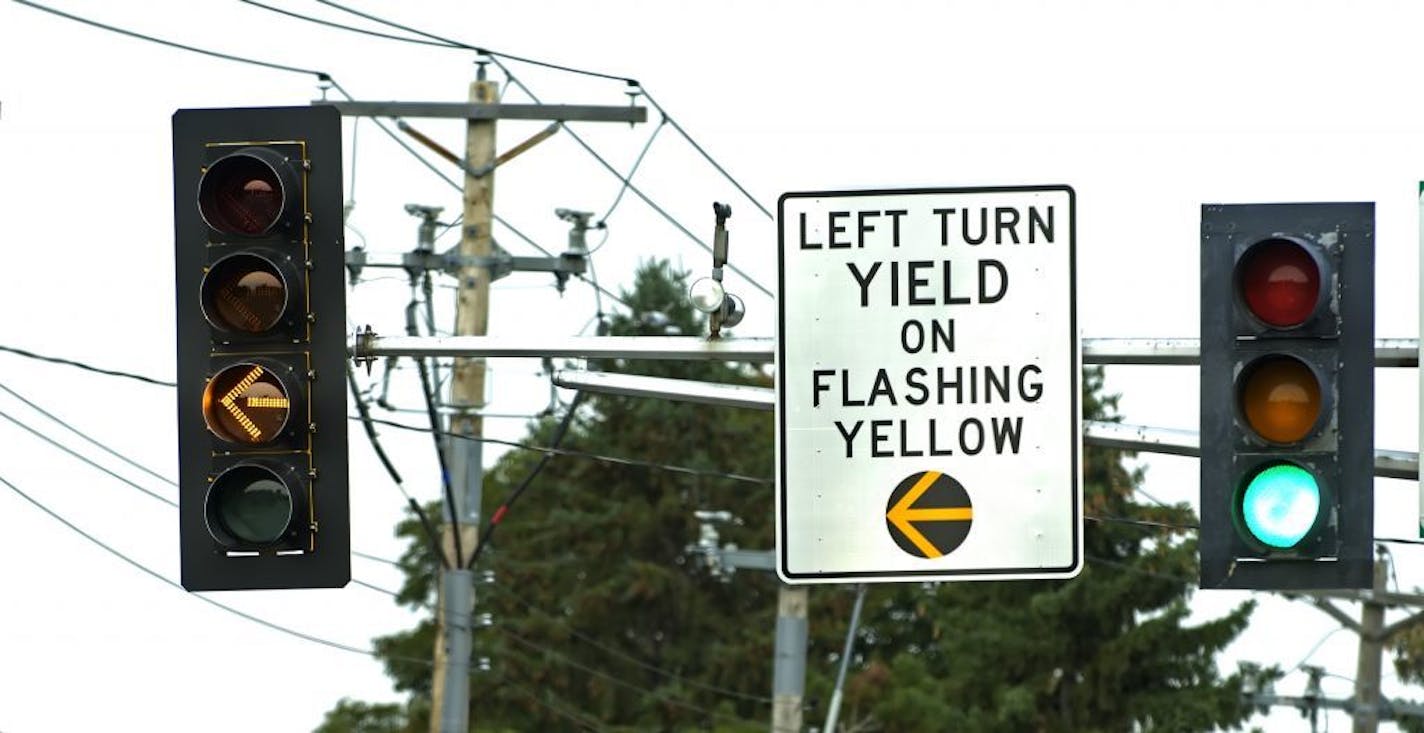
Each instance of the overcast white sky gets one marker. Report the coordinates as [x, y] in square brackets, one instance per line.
[1147, 109]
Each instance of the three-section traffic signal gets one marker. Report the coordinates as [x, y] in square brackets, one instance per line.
[258, 257]
[1287, 395]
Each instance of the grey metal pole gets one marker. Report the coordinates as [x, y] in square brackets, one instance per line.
[1367, 671]
[458, 593]
[835, 710]
[788, 677]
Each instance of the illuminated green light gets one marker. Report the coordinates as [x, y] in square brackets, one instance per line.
[1280, 505]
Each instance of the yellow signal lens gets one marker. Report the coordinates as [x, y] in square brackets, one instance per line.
[246, 403]
[1280, 399]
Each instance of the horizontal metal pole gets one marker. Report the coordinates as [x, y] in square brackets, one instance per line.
[466, 111]
[682, 390]
[1170, 441]
[572, 347]
[1388, 352]
[748, 559]
[1388, 463]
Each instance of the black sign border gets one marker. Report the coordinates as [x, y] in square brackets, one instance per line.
[1065, 571]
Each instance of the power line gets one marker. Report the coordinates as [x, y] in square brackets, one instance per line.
[571, 662]
[353, 29]
[71, 452]
[604, 648]
[508, 503]
[495, 56]
[155, 574]
[504, 589]
[84, 366]
[629, 184]
[450, 43]
[637, 162]
[560, 709]
[91, 441]
[173, 44]
[476, 49]
[580, 454]
[1143, 523]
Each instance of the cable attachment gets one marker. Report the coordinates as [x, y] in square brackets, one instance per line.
[361, 354]
[323, 84]
[633, 90]
[707, 294]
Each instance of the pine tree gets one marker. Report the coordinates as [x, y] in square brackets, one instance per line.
[602, 619]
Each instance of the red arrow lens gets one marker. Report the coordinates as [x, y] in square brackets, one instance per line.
[1279, 282]
[241, 194]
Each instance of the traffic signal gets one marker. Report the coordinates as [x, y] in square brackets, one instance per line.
[261, 303]
[1287, 396]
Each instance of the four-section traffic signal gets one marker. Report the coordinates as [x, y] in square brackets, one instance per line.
[1287, 395]
[258, 257]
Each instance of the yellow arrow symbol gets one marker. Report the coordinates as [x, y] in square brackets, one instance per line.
[902, 515]
[228, 402]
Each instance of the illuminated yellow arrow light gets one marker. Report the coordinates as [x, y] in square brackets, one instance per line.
[254, 404]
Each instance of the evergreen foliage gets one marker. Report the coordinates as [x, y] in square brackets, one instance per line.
[603, 620]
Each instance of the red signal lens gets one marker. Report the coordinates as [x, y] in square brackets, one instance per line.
[1279, 282]
[241, 194]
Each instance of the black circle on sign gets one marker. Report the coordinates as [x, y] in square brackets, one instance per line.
[941, 534]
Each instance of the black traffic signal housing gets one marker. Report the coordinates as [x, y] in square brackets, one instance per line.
[261, 303]
[1287, 396]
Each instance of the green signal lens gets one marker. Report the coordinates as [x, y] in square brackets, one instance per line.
[1280, 505]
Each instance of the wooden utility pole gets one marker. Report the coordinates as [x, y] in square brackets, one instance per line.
[450, 687]
[477, 263]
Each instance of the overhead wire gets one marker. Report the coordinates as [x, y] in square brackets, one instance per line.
[62, 423]
[353, 29]
[580, 454]
[87, 367]
[495, 57]
[508, 503]
[604, 648]
[452, 516]
[484, 50]
[506, 590]
[364, 410]
[160, 577]
[83, 458]
[173, 44]
[631, 187]
[566, 660]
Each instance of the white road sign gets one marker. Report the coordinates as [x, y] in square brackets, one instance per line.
[928, 380]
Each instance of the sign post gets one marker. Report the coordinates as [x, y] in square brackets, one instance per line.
[928, 383]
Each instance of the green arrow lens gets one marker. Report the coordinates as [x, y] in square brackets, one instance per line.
[249, 505]
[1280, 505]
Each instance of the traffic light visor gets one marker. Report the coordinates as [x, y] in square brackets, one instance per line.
[1280, 398]
[1280, 505]
[245, 192]
[1279, 282]
[246, 403]
[250, 504]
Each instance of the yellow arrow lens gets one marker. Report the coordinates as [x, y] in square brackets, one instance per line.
[244, 293]
[245, 403]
